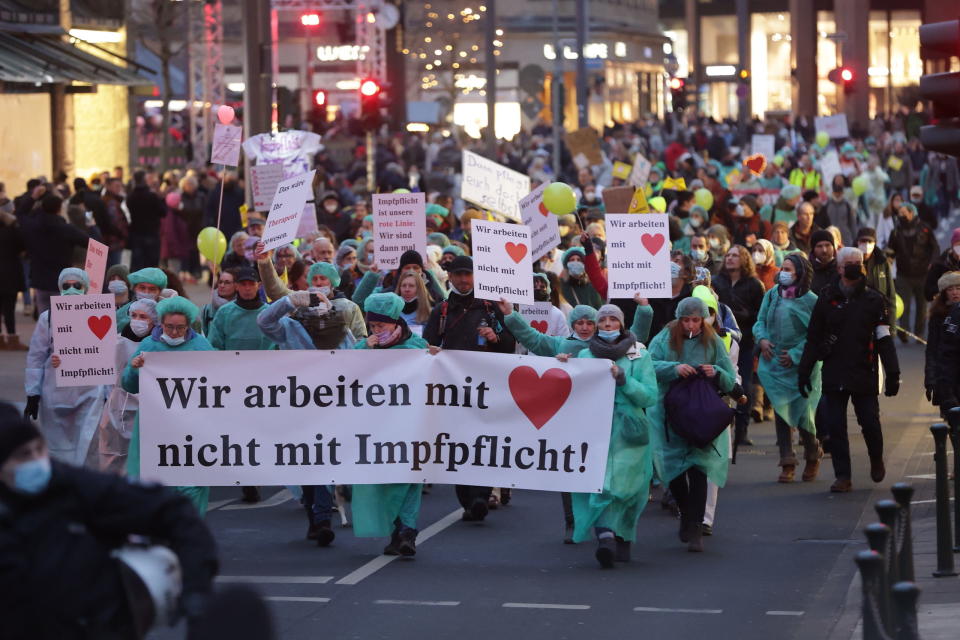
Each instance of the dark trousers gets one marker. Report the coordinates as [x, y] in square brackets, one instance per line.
[318, 502]
[867, 409]
[8, 308]
[567, 508]
[690, 490]
[745, 367]
[144, 251]
[466, 494]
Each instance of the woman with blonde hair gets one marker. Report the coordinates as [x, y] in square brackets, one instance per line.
[416, 301]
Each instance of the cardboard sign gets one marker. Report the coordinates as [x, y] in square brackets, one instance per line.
[264, 179]
[638, 255]
[544, 232]
[586, 143]
[85, 337]
[308, 221]
[493, 186]
[502, 265]
[765, 145]
[96, 264]
[617, 199]
[640, 172]
[835, 125]
[226, 145]
[286, 210]
[399, 224]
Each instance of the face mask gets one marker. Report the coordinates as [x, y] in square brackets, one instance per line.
[32, 477]
[140, 328]
[330, 208]
[866, 248]
[852, 272]
[916, 200]
[173, 342]
[785, 278]
[609, 335]
[71, 292]
[698, 255]
[140, 295]
[739, 211]
[576, 269]
[116, 287]
[384, 336]
[324, 290]
[759, 257]
[695, 222]
[714, 243]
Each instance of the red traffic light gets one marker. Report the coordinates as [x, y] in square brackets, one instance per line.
[310, 19]
[319, 97]
[846, 74]
[676, 83]
[369, 88]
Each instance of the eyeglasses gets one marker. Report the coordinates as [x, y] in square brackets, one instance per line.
[175, 328]
[71, 285]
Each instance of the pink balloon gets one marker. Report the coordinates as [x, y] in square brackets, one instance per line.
[225, 114]
[173, 199]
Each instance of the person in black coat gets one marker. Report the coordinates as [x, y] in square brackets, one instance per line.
[11, 276]
[949, 260]
[823, 259]
[92, 202]
[58, 527]
[49, 241]
[948, 297]
[147, 209]
[233, 199]
[849, 328]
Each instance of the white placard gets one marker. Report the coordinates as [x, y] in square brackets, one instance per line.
[264, 179]
[84, 334]
[374, 417]
[829, 167]
[502, 267]
[538, 315]
[226, 145]
[493, 186]
[286, 210]
[399, 224]
[544, 231]
[640, 172]
[765, 145]
[638, 255]
[835, 125]
[308, 222]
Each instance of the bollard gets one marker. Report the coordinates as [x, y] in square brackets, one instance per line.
[905, 596]
[871, 565]
[903, 494]
[879, 538]
[888, 511]
[944, 546]
[954, 419]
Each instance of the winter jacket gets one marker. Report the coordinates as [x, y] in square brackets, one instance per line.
[880, 278]
[823, 274]
[948, 361]
[932, 355]
[946, 261]
[147, 210]
[914, 247]
[841, 215]
[11, 269]
[744, 298]
[453, 324]
[49, 240]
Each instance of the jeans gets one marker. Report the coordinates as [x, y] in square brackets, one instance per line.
[690, 490]
[467, 494]
[145, 251]
[867, 409]
[911, 288]
[319, 499]
[811, 448]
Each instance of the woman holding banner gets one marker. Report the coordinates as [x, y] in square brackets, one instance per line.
[381, 510]
[173, 333]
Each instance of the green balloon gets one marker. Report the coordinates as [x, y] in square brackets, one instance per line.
[823, 139]
[703, 197]
[859, 185]
[898, 306]
[559, 199]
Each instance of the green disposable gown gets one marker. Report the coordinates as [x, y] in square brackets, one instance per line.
[131, 383]
[672, 455]
[235, 329]
[541, 344]
[626, 482]
[783, 321]
[377, 507]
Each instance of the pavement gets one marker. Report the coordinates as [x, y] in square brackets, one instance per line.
[779, 565]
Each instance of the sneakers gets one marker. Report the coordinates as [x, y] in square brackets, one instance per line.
[706, 529]
[606, 551]
[787, 473]
[622, 553]
[810, 470]
[477, 511]
[325, 534]
[841, 485]
[878, 471]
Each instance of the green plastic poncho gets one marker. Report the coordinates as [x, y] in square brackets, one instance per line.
[626, 482]
[235, 329]
[783, 321]
[672, 455]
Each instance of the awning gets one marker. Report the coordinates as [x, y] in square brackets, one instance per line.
[38, 59]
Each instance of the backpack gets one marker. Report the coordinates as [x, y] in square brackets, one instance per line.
[695, 411]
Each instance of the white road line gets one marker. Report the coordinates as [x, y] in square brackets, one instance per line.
[295, 599]
[380, 562]
[216, 504]
[421, 603]
[663, 610]
[276, 579]
[784, 613]
[924, 476]
[276, 499]
[533, 605]
[925, 501]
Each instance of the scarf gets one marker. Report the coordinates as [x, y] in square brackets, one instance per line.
[249, 305]
[410, 307]
[600, 348]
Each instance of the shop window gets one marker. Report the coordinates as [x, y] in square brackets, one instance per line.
[826, 61]
[718, 40]
[770, 45]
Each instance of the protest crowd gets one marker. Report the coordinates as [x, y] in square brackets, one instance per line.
[792, 276]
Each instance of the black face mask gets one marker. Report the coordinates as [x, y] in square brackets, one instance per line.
[541, 295]
[852, 272]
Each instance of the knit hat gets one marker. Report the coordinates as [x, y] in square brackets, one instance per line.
[150, 275]
[955, 237]
[866, 233]
[439, 239]
[790, 191]
[145, 305]
[821, 235]
[702, 293]
[610, 310]
[542, 276]
[383, 307]
[692, 308]
[72, 273]
[324, 269]
[454, 249]
[177, 304]
[343, 252]
[580, 312]
[410, 256]
[949, 279]
[570, 252]
[121, 270]
[15, 431]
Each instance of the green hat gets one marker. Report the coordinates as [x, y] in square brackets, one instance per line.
[177, 304]
[121, 270]
[790, 191]
[706, 295]
[454, 249]
[439, 239]
[324, 269]
[383, 307]
[436, 210]
[571, 251]
[150, 275]
[692, 308]
[580, 312]
[350, 242]
[543, 277]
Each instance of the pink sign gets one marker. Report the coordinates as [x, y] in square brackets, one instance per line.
[96, 264]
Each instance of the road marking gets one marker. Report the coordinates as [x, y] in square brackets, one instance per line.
[925, 501]
[663, 610]
[216, 504]
[276, 499]
[925, 476]
[421, 603]
[380, 562]
[276, 579]
[784, 613]
[295, 599]
[533, 605]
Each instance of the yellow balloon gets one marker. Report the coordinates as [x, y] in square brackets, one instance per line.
[898, 306]
[212, 244]
[559, 199]
[822, 139]
[659, 204]
[703, 197]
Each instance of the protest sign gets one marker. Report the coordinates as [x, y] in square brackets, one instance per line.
[835, 125]
[617, 199]
[308, 221]
[264, 179]
[493, 186]
[96, 264]
[399, 224]
[286, 210]
[585, 143]
[85, 337]
[638, 255]
[226, 145]
[640, 172]
[544, 231]
[621, 170]
[502, 267]
[538, 315]
[764, 196]
[380, 416]
[829, 167]
[763, 144]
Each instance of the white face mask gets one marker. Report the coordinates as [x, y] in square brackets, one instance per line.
[117, 287]
[866, 248]
[173, 342]
[330, 207]
[141, 295]
[324, 290]
[714, 243]
[140, 328]
[759, 257]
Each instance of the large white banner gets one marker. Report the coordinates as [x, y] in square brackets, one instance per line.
[638, 255]
[372, 417]
[399, 224]
[493, 186]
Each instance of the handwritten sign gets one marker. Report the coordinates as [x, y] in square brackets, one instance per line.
[829, 167]
[493, 186]
[226, 145]
[264, 179]
[286, 210]
[544, 231]
[640, 172]
[585, 142]
[835, 125]
[96, 264]
[763, 144]
[502, 267]
[638, 255]
[85, 338]
[308, 221]
[399, 224]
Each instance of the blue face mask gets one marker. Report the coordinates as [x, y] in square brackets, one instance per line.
[609, 336]
[173, 342]
[785, 279]
[576, 269]
[32, 477]
[698, 255]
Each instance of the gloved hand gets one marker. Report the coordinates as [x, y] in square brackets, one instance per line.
[805, 385]
[299, 298]
[892, 386]
[32, 410]
[586, 243]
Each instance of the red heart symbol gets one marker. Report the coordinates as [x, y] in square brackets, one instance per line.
[652, 242]
[516, 251]
[539, 325]
[756, 163]
[100, 326]
[543, 209]
[539, 397]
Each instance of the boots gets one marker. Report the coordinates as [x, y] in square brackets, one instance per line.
[13, 344]
[325, 534]
[622, 553]
[878, 471]
[408, 542]
[606, 551]
[786, 475]
[810, 470]
[393, 547]
[695, 535]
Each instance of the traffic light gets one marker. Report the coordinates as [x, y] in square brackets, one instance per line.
[678, 94]
[310, 19]
[939, 41]
[370, 116]
[842, 76]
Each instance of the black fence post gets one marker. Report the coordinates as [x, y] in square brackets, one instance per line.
[953, 417]
[905, 596]
[888, 511]
[879, 538]
[871, 566]
[903, 494]
[944, 546]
